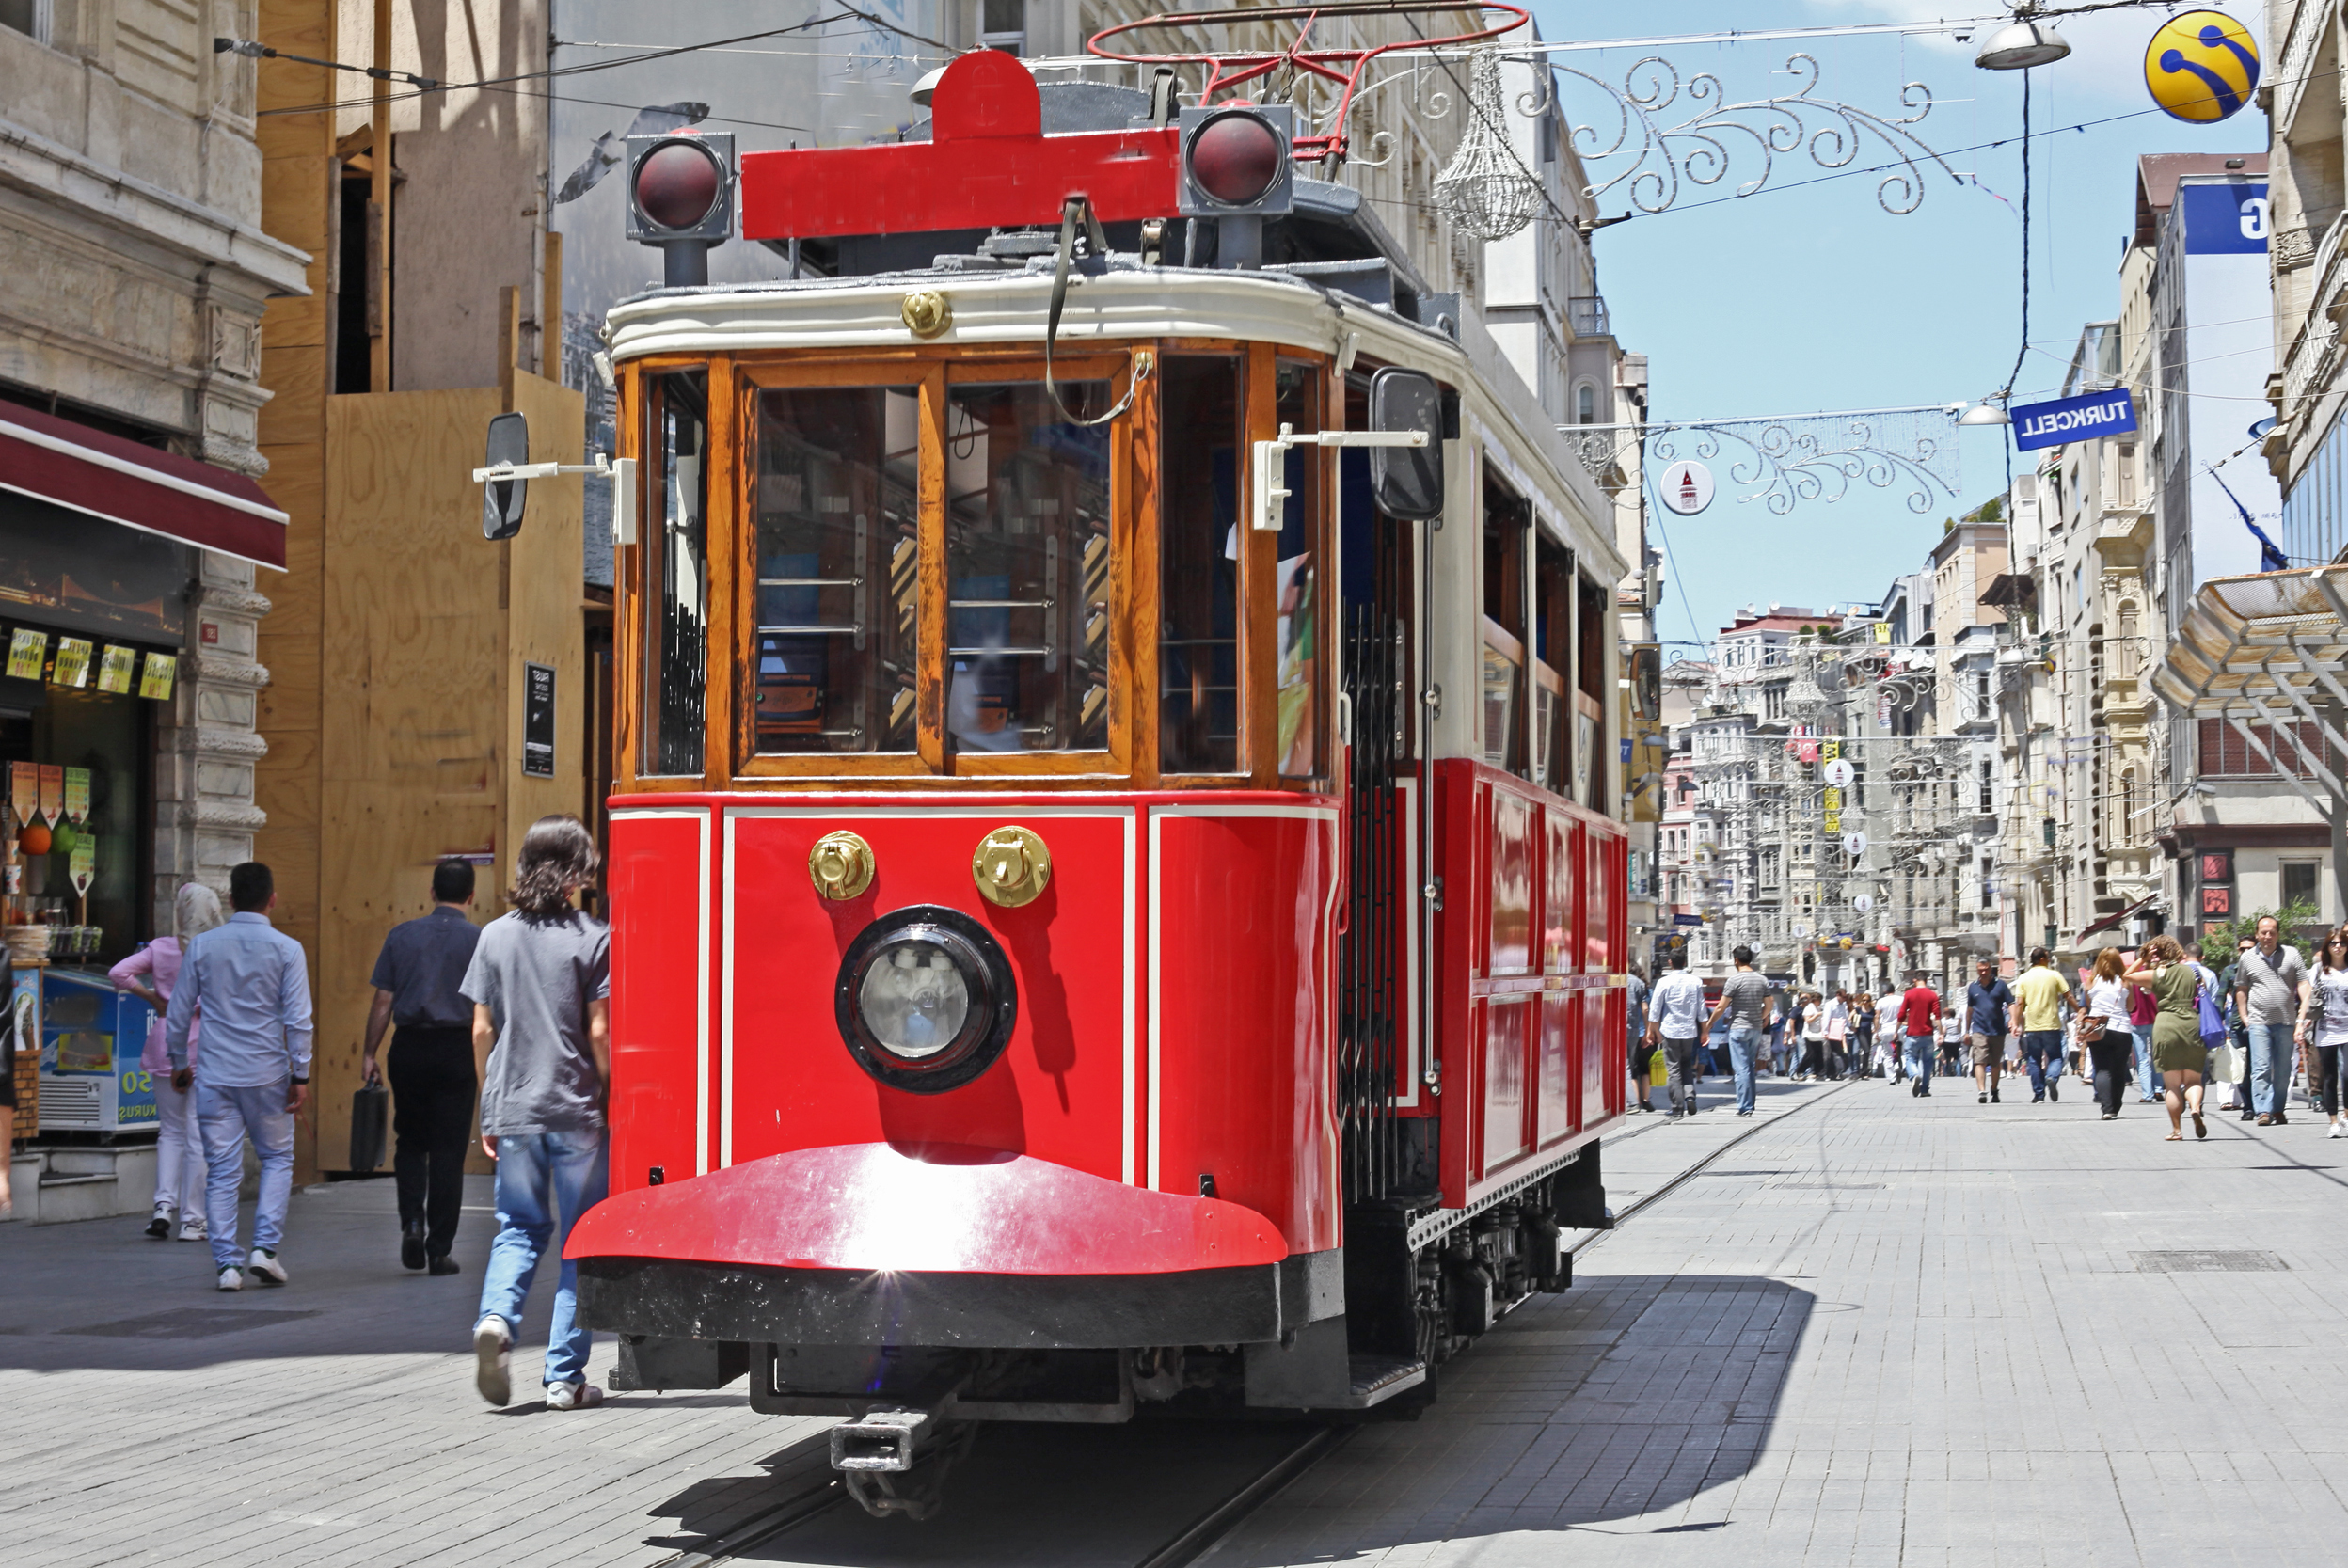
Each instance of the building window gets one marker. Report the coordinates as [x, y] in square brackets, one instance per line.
[1003, 24]
[29, 17]
[1989, 884]
[2299, 884]
[1586, 404]
[1988, 798]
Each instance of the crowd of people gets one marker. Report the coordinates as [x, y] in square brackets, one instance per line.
[518, 1008]
[2157, 1020]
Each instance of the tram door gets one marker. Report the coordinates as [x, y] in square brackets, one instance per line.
[1386, 1150]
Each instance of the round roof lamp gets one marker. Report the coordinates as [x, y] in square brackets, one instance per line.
[678, 186]
[1235, 158]
[2021, 46]
[926, 88]
[1985, 413]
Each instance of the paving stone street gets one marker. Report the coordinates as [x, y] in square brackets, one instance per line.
[1871, 1329]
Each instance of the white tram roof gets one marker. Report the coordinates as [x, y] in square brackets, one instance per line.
[1127, 301]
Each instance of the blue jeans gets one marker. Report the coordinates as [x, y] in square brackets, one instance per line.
[2272, 1057]
[1741, 1038]
[539, 1174]
[225, 1115]
[2042, 1050]
[2147, 1076]
[1918, 1051]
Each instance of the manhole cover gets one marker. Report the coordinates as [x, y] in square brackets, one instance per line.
[189, 1323]
[2208, 1262]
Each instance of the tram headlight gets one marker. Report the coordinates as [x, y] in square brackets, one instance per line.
[926, 1000]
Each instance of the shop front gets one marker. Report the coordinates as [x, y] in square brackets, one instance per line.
[128, 701]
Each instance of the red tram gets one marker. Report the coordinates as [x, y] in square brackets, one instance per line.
[1108, 910]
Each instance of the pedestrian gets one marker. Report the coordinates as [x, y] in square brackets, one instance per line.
[1990, 1011]
[251, 984]
[2043, 998]
[1772, 1033]
[1745, 1005]
[540, 986]
[2104, 1033]
[1862, 1035]
[1953, 1043]
[2176, 1048]
[2271, 989]
[417, 979]
[2323, 1024]
[1838, 1034]
[2143, 1010]
[180, 1179]
[1919, 1019]
[1674, 1018]
[2238, 1030]
[1635, 1033]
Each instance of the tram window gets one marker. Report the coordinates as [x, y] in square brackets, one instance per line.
[1552, 664]
[1298, 391]
[1590, 733]
[1198, 564]
[1027, 569]
[677, 576]
[1507, 527]
[836, 623]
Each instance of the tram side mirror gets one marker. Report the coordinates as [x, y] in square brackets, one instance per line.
[1407, 481]
[502, 499]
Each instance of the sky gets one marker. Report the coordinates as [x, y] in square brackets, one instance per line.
[1815, 298]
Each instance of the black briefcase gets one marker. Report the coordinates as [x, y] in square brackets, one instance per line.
[370, 1113]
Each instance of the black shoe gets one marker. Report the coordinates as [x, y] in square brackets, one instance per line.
[2054, 1090]
[1994, 1099]
[412, 1246]
[443, 1264]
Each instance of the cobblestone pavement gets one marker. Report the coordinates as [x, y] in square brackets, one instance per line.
[1892, 1331]
[1875, 1330]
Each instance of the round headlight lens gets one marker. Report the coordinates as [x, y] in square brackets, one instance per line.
[924, 1000]
[913, 998]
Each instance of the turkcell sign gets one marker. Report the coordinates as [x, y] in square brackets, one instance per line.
[1687, 920]
[2083, 418]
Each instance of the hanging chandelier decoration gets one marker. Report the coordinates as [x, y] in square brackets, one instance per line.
[1486, 189]
[1792, 458]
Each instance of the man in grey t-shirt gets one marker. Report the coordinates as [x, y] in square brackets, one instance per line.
[2270, 983]
[540, 985]
[1745, 1001]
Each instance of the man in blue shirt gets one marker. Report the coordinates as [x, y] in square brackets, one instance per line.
[1990, 1010]
[250, 981]
[416, 980]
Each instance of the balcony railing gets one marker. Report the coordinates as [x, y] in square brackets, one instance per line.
[2308, 19]
[1587, 316]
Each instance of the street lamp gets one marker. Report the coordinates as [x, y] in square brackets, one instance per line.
[2020, 45]
[1985, 412]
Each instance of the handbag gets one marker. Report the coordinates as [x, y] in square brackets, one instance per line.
[2091, 1029]
[370, 1109]
[2226, 1065]
[2213, 1022]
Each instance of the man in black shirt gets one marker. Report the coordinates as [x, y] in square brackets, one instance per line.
[416, 980]
[1991, 1012]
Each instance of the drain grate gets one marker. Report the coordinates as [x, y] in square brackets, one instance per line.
[2208, 1262]
[189, 1323]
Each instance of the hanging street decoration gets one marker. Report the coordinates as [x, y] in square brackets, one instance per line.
[1486, 189]
[2201, 66]
[1791, 458]
[1686, 488]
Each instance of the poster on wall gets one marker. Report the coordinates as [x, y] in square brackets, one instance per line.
[81, 863]
[72, 667]
[114, 669]
[52, 792]
[26, 650]
[76, 795]
[24, 791]
[538, 721]
[157, 677]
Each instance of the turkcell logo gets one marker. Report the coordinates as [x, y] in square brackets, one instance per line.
[2221, 220]
[2052, 425]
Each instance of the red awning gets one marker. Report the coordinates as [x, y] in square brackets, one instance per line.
[2111, 920]
[72, 466]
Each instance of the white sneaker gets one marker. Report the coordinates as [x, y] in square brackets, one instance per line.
[264, 1266]
[231, 1279]
[2339, 1130]
[195, 1230]
[159, 1223]
[493, 1347]
[573, 1396]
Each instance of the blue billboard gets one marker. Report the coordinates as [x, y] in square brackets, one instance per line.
[2079, 419]
[2228, 220]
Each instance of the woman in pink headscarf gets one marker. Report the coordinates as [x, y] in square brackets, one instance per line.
[148, 975]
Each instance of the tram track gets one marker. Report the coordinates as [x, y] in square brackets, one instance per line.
[1230, 1505]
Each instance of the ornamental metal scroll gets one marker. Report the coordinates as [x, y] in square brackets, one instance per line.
[1701, 149]
[1788, 459]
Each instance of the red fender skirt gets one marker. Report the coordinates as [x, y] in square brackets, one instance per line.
[945, 1209]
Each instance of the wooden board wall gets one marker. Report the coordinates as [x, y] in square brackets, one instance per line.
[298, 175]
[422, 635]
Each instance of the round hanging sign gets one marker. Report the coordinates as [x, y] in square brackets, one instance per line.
[1864, 902]
[2201, 66]
[1839, 773]
[1685, 487]
[1854, 844]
